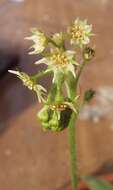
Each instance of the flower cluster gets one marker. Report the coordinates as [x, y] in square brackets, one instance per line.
[61, 60]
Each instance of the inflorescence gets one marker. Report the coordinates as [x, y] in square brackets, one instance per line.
[59, 52]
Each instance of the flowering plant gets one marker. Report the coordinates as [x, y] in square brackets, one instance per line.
[60, 53]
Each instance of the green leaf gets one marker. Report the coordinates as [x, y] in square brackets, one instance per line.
[97, 184]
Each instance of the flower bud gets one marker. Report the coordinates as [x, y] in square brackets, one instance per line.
[88, 53]
[89, 94]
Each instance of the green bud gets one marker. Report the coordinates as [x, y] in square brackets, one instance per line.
[43, 114]
[89, 94]
[88, 53]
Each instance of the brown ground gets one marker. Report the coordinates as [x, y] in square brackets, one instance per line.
[31, 159]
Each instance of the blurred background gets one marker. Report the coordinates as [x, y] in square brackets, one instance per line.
[29, 157]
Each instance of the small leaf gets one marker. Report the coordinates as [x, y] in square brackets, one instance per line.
[97, 184]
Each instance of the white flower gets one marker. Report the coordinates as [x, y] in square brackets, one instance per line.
[60, 61]
[80, 32]
[28, 82]
[39, 40]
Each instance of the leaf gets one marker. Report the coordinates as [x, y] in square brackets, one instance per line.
[97, 184]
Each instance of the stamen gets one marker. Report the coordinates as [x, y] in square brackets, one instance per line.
[59, 107]
[76, 32]
[59, 58]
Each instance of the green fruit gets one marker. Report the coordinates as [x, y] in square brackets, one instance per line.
[45, 125]
[54, 120]
[55, 128]
[43, 114]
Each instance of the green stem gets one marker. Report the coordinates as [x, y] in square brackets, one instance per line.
[73, 151]
[71, 135]
[72, 84]
[78, 75]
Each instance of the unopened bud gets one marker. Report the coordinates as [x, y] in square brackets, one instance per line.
[89, 94]
[88, 53]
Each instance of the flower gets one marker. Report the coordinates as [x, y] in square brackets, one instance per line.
[39, 40]
[28, 82]
[60, 61]
[80, 32]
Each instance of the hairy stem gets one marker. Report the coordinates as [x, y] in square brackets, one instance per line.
[71, 134]
[72, 130]
[73, 151]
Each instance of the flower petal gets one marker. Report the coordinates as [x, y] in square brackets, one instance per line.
[40, 87]
[14, 72]
[70, 54]
[43, 60]
[86, 40]
[71, 68]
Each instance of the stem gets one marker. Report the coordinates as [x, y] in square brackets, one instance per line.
[72, 84]
[73, 151]
[71, 134]
[78, 75]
